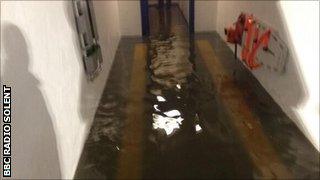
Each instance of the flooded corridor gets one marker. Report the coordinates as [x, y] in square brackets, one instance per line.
[177, 106]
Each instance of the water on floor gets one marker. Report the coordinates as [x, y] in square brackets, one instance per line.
[176, 116]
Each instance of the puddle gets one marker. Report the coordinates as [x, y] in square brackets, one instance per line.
[187, 133]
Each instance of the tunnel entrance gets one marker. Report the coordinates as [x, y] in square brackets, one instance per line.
[160, 4]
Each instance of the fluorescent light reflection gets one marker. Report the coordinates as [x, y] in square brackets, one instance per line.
[156, 107]
[168, 124]
[172, 113]
[161, 99]
[178, 86]
[198, 128]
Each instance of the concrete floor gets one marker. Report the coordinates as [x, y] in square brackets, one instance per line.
[182, 107]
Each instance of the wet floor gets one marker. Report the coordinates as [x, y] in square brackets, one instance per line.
[176, 106]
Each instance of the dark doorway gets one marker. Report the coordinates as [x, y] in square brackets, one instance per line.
[191, 16]
[144, 7]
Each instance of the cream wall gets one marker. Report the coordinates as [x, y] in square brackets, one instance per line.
[53, 103]
[130, 18]
[205, 14]
[296, 90]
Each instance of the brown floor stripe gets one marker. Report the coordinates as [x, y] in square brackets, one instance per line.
[246, 124]
[130, 159]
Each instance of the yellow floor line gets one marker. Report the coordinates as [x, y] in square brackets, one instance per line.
[130, 159]
[246, 124]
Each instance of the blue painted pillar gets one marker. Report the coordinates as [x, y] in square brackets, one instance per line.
[144, 17]
[191, 16]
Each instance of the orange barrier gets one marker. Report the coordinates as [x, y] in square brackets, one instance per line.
[248, 26]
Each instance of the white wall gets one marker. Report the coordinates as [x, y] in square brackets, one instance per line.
[305, 39]
[53, 103]
[130, 18]
[205, 14]
[297, 90]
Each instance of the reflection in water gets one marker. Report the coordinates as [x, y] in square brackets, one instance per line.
[169, 124]
[169, 63]
[161, 99]
[108, 120]
[185, 131]
[170, 69]
[172, 113]
[198, 128]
